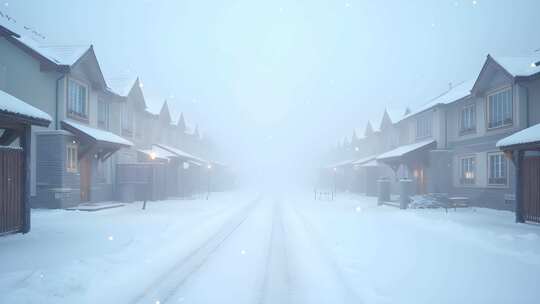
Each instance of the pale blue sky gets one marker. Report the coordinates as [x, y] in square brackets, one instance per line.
[281, 79]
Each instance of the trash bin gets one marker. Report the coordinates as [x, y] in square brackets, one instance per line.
[384, 190]
[405, 190]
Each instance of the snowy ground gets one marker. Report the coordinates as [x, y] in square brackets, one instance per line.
[253, 248]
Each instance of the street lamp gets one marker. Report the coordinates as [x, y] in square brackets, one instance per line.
[333, 192]
[209, 167]
[153, 155]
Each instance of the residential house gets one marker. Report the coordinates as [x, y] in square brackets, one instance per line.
[505, 99]
[422, 153]
[67, 84]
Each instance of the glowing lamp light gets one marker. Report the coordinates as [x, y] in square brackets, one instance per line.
[335, 169]
[209, 166]
[469, 175]
[186, 166]
[152, 155]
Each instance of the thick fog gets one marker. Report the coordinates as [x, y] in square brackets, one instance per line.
[275, 84]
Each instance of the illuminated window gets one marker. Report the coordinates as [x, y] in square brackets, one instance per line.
[467, 170]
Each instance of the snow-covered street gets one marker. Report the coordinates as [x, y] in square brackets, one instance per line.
[271, 248]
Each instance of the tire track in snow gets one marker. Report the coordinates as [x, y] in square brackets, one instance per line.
[167, 284]
[315, 240]
[275, 286]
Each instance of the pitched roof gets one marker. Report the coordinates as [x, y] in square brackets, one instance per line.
[164, 112]
[364, 160]
[122, 85]
[403, 150]
[158, 152]
[66, 55]
[520, 66]
[12, 105]
[98, 134]
[527, 136]
[458, 92]
[181, 153]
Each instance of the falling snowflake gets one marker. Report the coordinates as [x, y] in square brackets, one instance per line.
[358, 209]
[347, 4]
[157, 302]
[474, 2]
[242, 252]
[111, 238]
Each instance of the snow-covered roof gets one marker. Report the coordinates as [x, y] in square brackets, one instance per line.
[371, 163]
[98, 135]
[58, 54]
[158, 153]
[395, 114]
[153, 105]
[458, 92]
[181, 153]
[64, 54]
[402, 150]
[12, 105]
[364, 160]
[527, 136]
[121, 85]
[341, 163]
[520, 66]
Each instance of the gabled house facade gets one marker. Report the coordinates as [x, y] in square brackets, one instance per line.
[422, 153]
[67, 83]
[504, 99]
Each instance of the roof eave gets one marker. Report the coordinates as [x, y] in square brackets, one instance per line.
[24, 119]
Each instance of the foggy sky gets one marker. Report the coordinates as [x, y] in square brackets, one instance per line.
[274, 83]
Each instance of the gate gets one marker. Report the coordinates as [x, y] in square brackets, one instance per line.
[531, 189]
[11, 190]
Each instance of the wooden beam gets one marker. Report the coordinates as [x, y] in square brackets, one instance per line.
[519, 186]
[26, 138]
[8, 137]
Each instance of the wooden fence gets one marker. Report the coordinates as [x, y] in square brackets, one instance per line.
[531, 189]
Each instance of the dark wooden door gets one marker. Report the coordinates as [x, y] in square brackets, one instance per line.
[531, 188]
[85, 166]
[11, 190]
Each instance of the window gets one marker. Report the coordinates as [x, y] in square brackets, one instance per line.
[467, 121]
[127, 120]
[497, 169]
[72, 158]
[77, 105]
[103, 114]
[467, 170]
[423, 126]
[500, 110]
